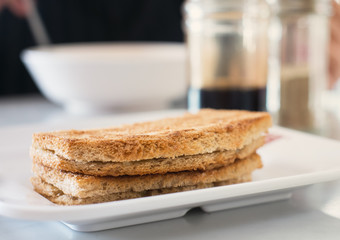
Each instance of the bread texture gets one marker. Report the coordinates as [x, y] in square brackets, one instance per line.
[55, 195]
[84, 186]
[193, 151]
[150, 166]
[205, 132]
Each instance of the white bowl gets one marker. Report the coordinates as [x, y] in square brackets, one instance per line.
[100, 77]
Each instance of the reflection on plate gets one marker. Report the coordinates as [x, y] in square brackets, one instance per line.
[291, 161]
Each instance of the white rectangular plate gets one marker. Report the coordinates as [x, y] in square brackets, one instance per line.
[291, 161]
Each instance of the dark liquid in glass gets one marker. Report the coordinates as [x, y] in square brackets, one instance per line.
[253, 99]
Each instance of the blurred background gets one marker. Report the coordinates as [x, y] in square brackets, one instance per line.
[168, 23]
[73, 21]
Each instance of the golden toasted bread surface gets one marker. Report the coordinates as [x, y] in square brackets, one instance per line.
[205, 132]
[192, 151]
[57, 196]
[150, 166]
[83, 186]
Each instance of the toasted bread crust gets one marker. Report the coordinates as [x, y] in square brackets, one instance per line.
[84, 186]
[205, 132]
[143, 167]
[57, 196]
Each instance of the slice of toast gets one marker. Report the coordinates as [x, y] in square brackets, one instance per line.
[205, 132]
[57, 196]
[150, 166]
[87, 186]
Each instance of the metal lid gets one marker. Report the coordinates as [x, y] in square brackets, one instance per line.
[286, 7]
[196, 9]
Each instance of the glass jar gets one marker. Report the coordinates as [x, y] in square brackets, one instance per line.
[228, 53]
[298, 72]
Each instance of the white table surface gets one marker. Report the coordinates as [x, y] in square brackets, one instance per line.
[312, 212]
